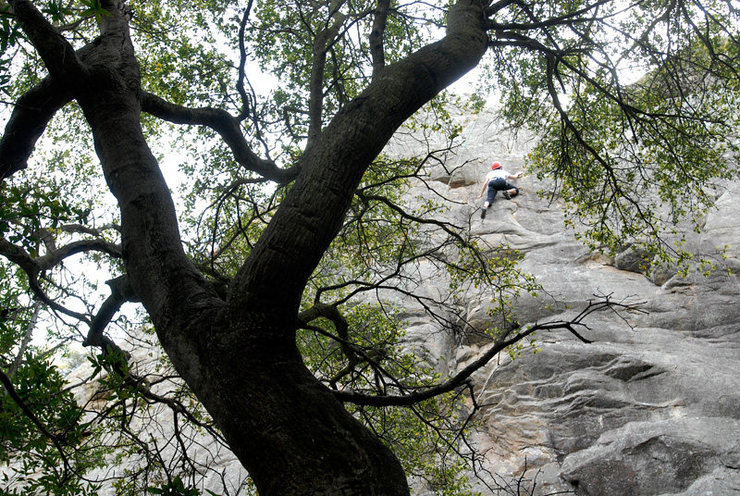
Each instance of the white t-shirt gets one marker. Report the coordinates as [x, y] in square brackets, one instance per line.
[498, 174]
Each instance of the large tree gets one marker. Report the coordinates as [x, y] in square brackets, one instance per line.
[299, 212]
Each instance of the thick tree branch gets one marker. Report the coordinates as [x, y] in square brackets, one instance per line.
[35, 267]
[19, 256]
[226, 125]
[314, 209]
[55, 255]
[462, 377]
[29, 119]
[58, 55]
[242, 62]
[31, 115]
[83, 246]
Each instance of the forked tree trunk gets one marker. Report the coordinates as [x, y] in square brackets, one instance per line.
[239, 356]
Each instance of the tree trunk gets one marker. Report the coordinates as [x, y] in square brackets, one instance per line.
[239, 357]
[242, 363]
[289, 431]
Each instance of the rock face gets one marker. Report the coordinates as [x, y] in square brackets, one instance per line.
[652, 406]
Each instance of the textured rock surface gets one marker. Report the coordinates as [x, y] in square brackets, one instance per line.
[652, 407]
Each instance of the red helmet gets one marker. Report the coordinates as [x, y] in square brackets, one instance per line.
[495, 166]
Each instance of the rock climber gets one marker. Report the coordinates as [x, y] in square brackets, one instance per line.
[496, 181]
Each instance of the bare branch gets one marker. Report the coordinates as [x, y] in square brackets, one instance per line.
[445, 387]
[462, 377]
[341, 325]
[577, 16]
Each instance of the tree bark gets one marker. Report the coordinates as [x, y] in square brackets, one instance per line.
[239, 357]
[290, 432]
[343, 458]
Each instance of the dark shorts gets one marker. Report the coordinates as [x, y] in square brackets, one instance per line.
[497, 185]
